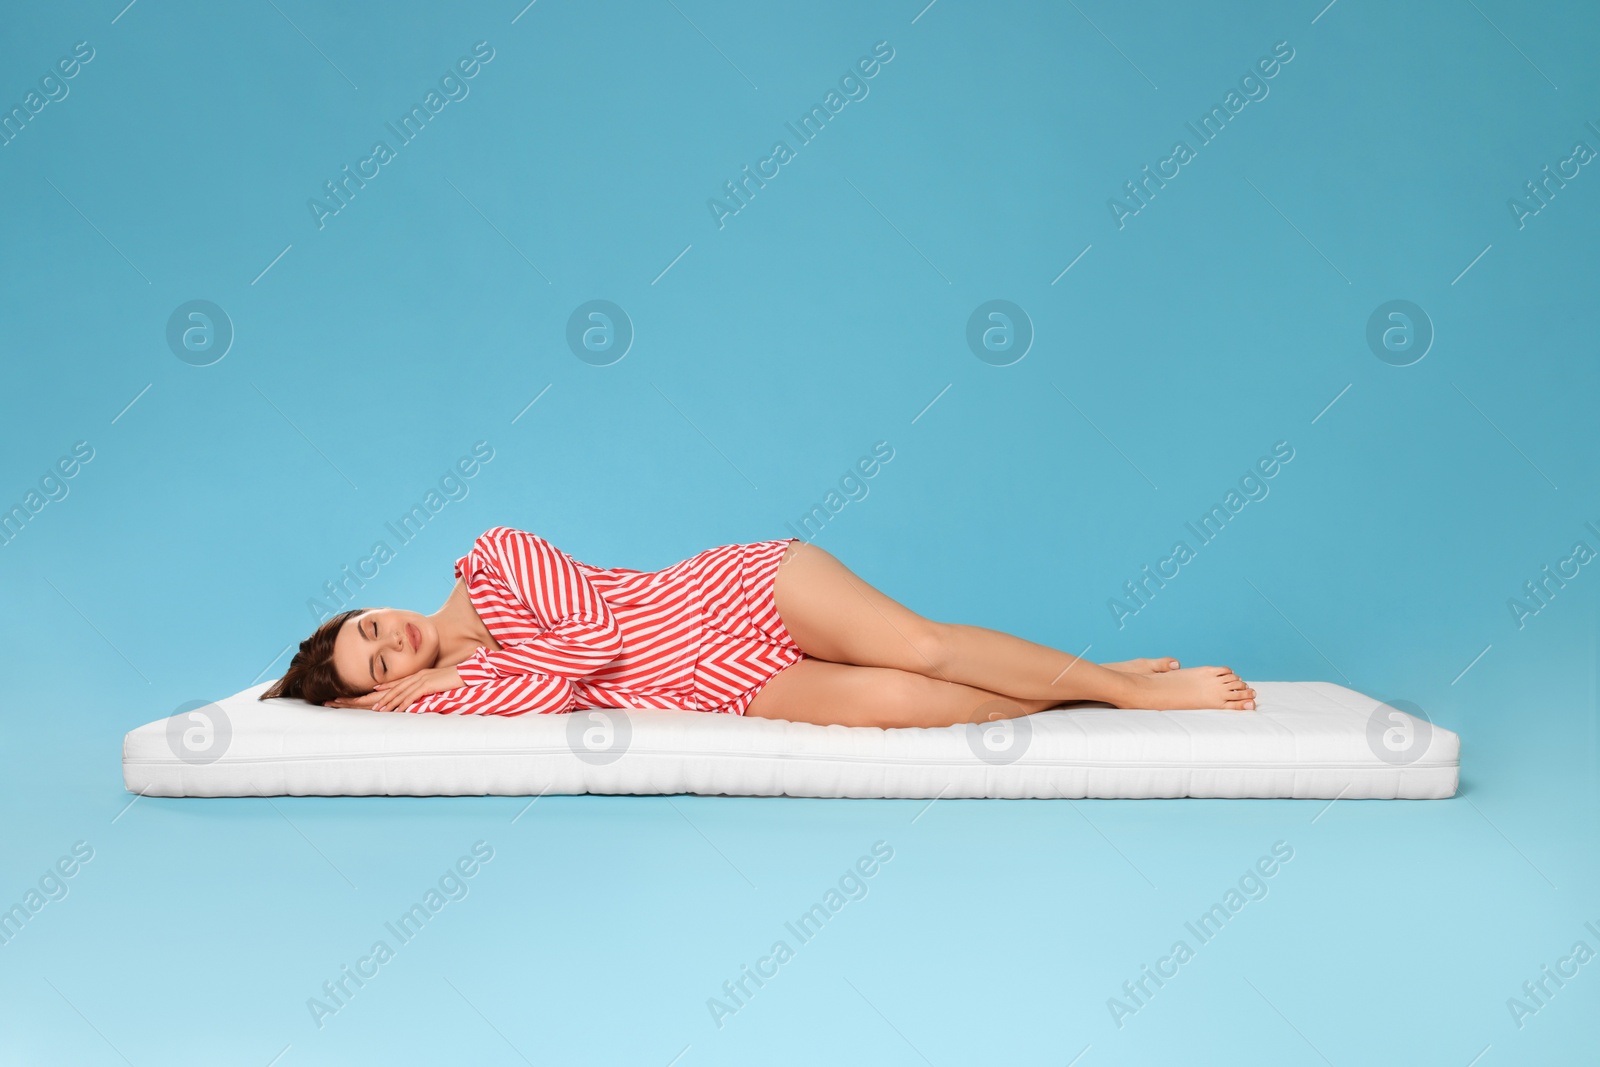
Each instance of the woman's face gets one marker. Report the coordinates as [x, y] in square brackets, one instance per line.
[382, 645]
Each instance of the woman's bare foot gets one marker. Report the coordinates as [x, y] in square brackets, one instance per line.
[1189, 688]
[1144, 666]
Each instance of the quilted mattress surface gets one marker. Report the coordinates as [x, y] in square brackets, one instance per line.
[1306, 739]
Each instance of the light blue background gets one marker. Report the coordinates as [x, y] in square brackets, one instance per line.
[826, 315]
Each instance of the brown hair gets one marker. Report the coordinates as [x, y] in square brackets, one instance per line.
[311, 675]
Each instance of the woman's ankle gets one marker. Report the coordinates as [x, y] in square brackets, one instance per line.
[1124, 690]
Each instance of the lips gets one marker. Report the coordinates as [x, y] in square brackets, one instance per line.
[414, 636]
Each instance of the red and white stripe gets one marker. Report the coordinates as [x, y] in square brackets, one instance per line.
[702, 634]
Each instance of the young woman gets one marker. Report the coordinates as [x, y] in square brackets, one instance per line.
[775, 629]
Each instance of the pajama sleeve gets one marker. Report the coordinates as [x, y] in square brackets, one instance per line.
[580, 634]
[517, 694]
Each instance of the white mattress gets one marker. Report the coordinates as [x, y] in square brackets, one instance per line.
[1306, 739]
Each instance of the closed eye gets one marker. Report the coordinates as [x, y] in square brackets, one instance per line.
[370, 668]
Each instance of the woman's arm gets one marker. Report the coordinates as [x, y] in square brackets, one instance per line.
[542, 694]
[441, 690]
[581, 635]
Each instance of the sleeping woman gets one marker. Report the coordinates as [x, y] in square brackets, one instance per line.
[774, 629]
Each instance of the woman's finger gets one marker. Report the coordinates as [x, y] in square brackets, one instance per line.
[394, 697]
[394, 687]
[399, 693]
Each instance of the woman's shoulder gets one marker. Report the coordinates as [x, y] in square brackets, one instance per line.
[498, 534]
[498, 548]
[501, 538]
[485, 547]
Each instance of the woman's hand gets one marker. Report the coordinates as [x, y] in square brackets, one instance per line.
[400, 693]
[365, 700]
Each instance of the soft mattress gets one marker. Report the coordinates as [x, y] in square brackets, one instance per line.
[1306, 739]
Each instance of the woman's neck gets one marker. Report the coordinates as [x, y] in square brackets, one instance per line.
[461, 631]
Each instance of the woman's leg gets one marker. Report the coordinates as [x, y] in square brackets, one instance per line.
[833, 615]
[842, 694]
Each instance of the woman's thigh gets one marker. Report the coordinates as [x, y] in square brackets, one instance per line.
[843, 694]
[833, 614]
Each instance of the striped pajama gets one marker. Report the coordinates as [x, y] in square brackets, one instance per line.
[703, 634]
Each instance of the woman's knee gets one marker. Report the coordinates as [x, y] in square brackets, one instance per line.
[933, 648]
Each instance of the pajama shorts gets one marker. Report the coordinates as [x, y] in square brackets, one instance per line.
[744, 643]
